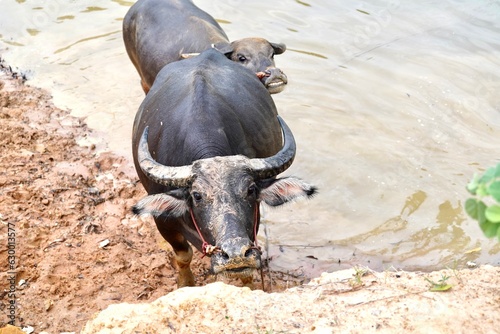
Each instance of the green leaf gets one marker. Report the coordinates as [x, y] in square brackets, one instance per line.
[441, 287]
[489, 229]
[488, 175]
[482, 190]
[481, 208]
[473, 184]
[471, 205]
[497, 171]
[498, 233]
[492, 213]
[475, 209]
[494, 190]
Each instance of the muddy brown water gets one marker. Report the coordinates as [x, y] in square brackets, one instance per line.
[394, 106]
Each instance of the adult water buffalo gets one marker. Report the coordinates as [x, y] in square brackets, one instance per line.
[158, 32]
[207, 145]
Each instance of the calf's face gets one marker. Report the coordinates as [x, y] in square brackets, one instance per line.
[257, 54]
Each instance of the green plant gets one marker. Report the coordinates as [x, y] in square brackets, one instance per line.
[456, 271]
[356, 281]
[440, 285]
[485, 205]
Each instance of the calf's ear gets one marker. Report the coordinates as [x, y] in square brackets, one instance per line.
[224, 48]
[279, 48]
[280, 191]
[159, 204]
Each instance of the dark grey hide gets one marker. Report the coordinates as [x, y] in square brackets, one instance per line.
[158, 32]
[207, 140]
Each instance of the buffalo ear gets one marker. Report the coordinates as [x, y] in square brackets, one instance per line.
[159, 204]
[276, 192]
[279, 48]
[224, 48]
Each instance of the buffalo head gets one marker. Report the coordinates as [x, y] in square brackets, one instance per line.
[220, 197]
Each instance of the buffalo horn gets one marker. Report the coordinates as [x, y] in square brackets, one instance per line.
[266, 168]
[175, 177]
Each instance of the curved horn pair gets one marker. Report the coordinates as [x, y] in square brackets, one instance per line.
[182, 176]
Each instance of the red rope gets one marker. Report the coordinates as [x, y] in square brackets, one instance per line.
[205, 245]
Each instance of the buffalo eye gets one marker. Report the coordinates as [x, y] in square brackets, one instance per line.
[252, 190]
[196, 196]
[242, 58]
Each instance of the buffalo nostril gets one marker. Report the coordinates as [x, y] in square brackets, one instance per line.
[252, 252]
[237, 249]
[225, 256]
[249, 252]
